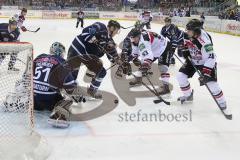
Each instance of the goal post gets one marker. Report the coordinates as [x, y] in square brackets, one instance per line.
[17, 135]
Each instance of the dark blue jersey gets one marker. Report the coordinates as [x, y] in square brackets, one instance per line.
[173, 33]
[51, 73]
[6, 35]
[92, 41]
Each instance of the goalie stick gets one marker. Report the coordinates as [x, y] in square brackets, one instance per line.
[34, 31]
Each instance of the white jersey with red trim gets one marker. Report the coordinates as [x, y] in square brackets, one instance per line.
[20, 19]
[201, 50]
[145, 17]
[150, 46]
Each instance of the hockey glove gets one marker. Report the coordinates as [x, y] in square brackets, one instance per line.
[136, 62]
[206, 76]
[145, 67]
[24, 29]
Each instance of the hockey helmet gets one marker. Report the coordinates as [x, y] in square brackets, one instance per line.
[24, 10]
[58, 49]
[135, 32]
[13, 20]
[194, 25]
[167, 20]
[114, 24]
[138, 24]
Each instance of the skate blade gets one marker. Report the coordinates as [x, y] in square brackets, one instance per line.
[58, 123]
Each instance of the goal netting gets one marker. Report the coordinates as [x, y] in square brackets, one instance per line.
[18, 140]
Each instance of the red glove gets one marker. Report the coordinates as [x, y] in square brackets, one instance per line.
[24, 29]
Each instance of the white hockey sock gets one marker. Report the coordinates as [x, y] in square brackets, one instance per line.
[216, 91]
[184, 84]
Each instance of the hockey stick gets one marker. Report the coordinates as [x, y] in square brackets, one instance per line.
[160, 98]
[33, 30]
[158, 101]
[153, 91]
[126, 27]
[178, 58]
[91, 75]
[227, 116]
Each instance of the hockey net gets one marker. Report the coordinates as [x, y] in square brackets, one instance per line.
[18, 140]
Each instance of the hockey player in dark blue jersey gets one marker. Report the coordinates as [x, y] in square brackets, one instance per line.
[9, 32]
[88, 47]
[51, 74]
[172, 32]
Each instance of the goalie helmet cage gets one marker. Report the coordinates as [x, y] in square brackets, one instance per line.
[18, 140]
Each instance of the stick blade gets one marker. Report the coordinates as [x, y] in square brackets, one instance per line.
[37, 29]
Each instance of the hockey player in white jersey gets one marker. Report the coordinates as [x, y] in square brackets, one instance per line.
[146, 48]
[199, 47]
[146, 19]
[21, 19]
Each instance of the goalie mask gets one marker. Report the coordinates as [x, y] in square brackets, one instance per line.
[58, 49]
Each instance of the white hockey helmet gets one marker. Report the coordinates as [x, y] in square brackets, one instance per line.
[58, 49]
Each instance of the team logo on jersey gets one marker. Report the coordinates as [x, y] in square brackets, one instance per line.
[208, 47]
[145, 53]
[141, 47]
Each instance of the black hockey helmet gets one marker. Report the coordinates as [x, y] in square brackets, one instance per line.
[113, 23]
[135, 32]
[194, 25]
[24, 10]
[167, 20]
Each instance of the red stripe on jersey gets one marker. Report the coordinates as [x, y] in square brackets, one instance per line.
[151, 37]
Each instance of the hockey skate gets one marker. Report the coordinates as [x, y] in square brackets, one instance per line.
[186, 99]
[93, 93]
[165, 90]
[136, 82]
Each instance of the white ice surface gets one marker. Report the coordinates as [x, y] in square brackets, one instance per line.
[208, 137]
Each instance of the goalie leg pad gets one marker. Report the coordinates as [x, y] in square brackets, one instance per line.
[61, 115]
